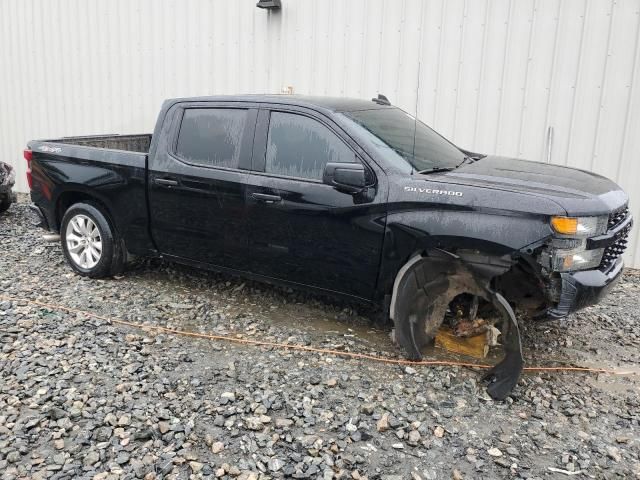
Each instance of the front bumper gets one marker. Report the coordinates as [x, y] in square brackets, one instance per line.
[584, 288]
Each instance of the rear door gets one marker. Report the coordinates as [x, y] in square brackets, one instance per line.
[197, 183]
[301, 230]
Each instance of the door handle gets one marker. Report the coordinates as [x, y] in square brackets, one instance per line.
[266, 198]
[165, 182]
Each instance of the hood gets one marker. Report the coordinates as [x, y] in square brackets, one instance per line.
[578, 192]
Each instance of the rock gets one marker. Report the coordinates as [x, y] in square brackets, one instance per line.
[275, 464]
[102, 434]
[217, 447]
[253, 423]
[122, 458]
[56, 413]
[494, 452]
[614, 454]
[383, 423]
[124, 420]
[227, 397]
[163, 427]
[91, 458]
[110, 419]
[394, 422]
[143, 434]
[438, 432]
[13, 457]
[414, 437]
[283, 422]
[164, 467]
[196, 467]
[367, 408]
[139, 468]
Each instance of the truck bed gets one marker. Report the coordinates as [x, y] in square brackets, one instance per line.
[114, 167]
[130, 143]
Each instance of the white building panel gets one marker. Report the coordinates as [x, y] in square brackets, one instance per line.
[495, 76]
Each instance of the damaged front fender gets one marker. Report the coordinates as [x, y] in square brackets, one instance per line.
[425, 287]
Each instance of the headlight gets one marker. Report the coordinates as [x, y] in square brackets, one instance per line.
[580, 227]
[576, 259]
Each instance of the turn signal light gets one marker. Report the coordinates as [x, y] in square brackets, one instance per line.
[565, 225]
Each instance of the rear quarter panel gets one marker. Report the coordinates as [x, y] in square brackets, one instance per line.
[117, 179]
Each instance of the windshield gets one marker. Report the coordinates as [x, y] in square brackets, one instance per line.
[393, 130]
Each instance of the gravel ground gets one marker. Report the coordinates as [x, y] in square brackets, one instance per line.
[86, 398]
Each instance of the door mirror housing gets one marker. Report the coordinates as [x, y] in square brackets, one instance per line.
[347, 177]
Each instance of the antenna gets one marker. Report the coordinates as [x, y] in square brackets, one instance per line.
[381, 100]
[415, 115]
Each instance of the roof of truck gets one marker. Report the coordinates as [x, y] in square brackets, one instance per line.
[335, 104]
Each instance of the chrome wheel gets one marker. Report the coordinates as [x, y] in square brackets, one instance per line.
[84, 242]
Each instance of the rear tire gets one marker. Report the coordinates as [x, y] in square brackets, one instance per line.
[89, 242]
[5, 203]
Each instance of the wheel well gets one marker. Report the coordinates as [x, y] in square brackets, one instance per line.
[516, 279]
[70, 198]
[485, 266]
[523, 285]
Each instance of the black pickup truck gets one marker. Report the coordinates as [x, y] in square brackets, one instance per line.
[342, 196]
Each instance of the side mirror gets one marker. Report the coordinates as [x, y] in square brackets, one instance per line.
[346, 177]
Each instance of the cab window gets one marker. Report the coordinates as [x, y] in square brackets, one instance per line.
[299, 146]
[211, 137]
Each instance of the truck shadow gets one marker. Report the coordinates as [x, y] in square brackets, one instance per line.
[261, 308]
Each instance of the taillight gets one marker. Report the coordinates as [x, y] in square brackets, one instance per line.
[28, 156]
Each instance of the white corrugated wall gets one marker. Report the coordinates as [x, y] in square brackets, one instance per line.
[492, 75]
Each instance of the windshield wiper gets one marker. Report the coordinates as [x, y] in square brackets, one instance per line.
[466, 159]
[435, 170]
[427, 171]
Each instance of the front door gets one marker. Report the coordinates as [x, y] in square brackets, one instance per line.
[300, 229]
[197, 183]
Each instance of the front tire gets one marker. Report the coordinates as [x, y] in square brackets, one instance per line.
[89, 242]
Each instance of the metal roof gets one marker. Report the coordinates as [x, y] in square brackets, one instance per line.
[334, 104]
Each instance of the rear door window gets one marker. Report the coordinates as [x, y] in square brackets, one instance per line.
[211, 137]
[299, 146]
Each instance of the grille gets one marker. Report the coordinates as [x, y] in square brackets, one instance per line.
[617, 248]
[618, 216]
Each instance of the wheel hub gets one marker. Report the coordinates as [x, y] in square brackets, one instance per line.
[84, 242]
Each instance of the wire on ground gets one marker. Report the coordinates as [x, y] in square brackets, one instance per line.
[302, 348]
